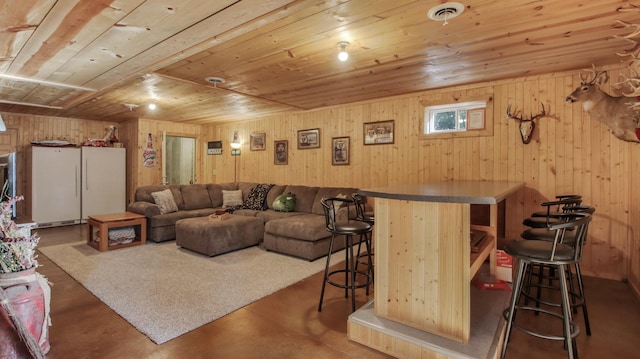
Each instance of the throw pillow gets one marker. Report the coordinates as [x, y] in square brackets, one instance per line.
[231, 198]
[164, 200]
[285, 202]
[342, 196]
[257, 199]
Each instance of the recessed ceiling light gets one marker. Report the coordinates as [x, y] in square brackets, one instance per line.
[152, 106]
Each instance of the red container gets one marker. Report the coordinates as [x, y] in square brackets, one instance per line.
[28, 301]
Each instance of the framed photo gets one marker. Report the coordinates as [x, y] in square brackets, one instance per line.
[475, 119]
[258, 141]
[308, 139]
[378, 133]
[340, 151]
[281, 152]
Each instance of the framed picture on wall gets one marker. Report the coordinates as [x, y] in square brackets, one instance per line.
[475, 119]
[378, 133]
[308, 139]
[281, 152]
[258, 141]
[340, 150]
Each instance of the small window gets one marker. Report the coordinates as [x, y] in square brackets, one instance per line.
[449, 117]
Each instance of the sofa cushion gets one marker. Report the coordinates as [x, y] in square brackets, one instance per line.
[306, 227]
[275, 191]
[246, 212]
[144, 193]
[215, 192]
[231, 198]
[305, 196]
[195, 196]
[257, 199]
[164, 200]
[271, 214]
[326, 192]
[246, 187]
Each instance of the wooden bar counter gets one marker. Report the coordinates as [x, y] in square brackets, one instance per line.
[424, 263]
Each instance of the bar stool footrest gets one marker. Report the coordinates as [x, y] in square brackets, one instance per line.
[575, 330]
[347, 285]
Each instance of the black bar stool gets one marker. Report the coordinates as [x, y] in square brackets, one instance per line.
[365, 258]
[560, 197]
[339, 223]
[558, 255]
[541, 219]
[578, 298]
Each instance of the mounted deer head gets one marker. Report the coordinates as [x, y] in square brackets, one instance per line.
[620, 114]
[615, 112]
[525, 125]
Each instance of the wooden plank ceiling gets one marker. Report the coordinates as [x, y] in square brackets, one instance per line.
[88, 58]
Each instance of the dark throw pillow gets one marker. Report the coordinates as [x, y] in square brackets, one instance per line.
[257, 199]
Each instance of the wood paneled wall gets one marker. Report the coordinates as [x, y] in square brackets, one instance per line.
[570, 152]
[137, 132]
[37, 128]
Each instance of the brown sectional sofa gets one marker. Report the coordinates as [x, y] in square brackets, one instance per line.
[300, 233]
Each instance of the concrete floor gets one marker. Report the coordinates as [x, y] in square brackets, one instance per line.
[286, 324]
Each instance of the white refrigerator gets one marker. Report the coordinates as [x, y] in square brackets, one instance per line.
[55, 186]
[103, 181]
[71, 184]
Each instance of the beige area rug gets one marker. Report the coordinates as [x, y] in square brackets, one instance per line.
[165, 291]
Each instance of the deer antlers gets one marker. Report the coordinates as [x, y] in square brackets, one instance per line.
[631, 82]
[599, 77]
[532, 117]
[526, 126]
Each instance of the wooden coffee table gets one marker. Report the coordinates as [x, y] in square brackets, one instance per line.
[103, 222]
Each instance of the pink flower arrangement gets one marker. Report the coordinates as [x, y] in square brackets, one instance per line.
[17, 247]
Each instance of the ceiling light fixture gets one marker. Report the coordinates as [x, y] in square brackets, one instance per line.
[152, 106]
[343, 55]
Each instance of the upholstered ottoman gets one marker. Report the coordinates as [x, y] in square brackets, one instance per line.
[216, 237]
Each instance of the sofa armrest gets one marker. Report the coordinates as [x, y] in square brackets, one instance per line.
[145, 208]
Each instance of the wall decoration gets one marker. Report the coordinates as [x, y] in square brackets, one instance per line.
[525, 125]
[258, 141]
[378, 133]
[340, 147]
[281, 152]
[475, 119]
[308, 139]
[149, 154]
[617, 112]
[214, 147]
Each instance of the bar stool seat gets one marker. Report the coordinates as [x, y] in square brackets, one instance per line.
[338, 223]
[558, 255]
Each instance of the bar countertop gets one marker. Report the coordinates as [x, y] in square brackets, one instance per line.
[473, 192]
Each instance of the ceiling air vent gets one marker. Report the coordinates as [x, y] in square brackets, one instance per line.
[215, 80]
[445, 12]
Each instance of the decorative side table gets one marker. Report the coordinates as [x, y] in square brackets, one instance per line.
[103, 222]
